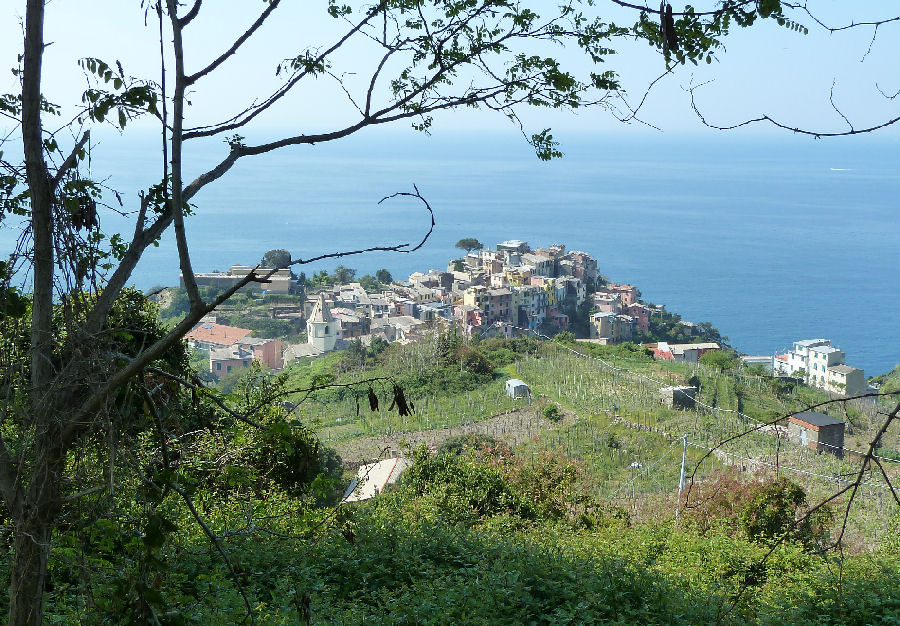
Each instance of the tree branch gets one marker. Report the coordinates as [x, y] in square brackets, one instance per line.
[793, 129]
[189, 17]
[193, 78]
[184, 253]
[251, 112]
[71, 159]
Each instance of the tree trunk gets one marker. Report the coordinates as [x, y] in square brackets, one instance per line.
[35, 514]
[29, 572]
[41, 202]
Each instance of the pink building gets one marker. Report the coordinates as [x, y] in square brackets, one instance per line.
[468, 317]
[640, 313]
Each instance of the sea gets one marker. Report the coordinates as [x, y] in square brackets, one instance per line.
[771, 238]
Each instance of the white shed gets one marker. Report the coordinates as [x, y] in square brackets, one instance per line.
[516, 388]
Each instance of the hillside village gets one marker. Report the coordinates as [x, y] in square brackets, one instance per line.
[501, 292]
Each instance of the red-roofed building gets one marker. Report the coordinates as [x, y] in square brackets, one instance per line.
[211, 335]
[819, 431]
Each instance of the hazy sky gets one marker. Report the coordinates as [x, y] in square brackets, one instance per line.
[766, 69]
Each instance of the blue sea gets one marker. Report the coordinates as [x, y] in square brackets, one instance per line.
[772, 239]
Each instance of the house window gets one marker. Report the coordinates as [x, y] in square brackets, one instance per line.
[227, 368]
[218, 366]
[246, 363]
[326, 330]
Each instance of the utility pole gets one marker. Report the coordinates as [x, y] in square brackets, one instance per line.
[681, 477]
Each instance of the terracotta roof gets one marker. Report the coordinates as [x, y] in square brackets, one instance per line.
[217, 334]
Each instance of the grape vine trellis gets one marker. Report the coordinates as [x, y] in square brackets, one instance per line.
[599, 393]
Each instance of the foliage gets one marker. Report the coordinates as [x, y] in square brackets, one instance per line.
[468, 244]
[775, 512]
[463, 488]
[767, 511]
[721, 360]
[276, 258]
[462, 443]
[551, 412]
[358, 356]
[370, 283]
[384, 277]
[343, 275]
[667, 326]
[888, 383]
[267, 327]
[580, 318]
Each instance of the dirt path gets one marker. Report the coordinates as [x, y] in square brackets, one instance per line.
[513, 427]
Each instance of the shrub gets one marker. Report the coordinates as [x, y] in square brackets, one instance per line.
[462, 443]
[720, 359]
[551, 412]
[766, 511]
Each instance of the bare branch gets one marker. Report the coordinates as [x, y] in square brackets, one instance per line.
[887, 479]
[833, 29]
[190, 15]
[834, 106]
[248, 114]
[646, 9]
[71, 159]
[793, 129]
[142, 239]
[193, 78]
[184, 253]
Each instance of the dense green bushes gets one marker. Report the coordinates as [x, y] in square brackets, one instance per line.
[471, 535]
[474, 533]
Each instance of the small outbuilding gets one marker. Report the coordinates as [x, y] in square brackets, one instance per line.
[679, 397]
[516, 388]
[820, 432]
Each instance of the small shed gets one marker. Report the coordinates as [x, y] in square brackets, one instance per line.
[820, 432]
[516, 388]
[679, 397]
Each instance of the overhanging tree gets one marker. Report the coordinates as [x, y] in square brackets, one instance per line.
[64, 360]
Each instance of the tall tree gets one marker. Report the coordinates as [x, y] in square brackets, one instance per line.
[276, 258]
[468, 244]
[384, 277]
[343, 275]
[64, 365]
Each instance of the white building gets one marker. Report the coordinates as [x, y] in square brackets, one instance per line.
[321, 327]
[821, 358]
[822, 365]
[798, 356]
